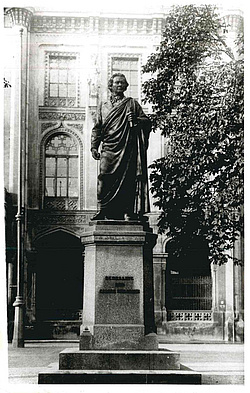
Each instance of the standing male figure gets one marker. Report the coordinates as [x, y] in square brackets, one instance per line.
[123, 130]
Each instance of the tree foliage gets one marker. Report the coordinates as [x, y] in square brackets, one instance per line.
[196, 92]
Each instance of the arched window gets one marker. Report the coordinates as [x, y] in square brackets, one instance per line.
[61, 188]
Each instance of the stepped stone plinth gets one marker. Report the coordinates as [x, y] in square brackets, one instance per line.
[173, 377]
[70, 359]
[118, 340]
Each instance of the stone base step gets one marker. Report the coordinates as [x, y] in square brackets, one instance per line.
[72, 359]
[222, 378]
[119, 377]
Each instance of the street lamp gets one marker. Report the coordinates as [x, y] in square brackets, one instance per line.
[222, 308]
[21, 19]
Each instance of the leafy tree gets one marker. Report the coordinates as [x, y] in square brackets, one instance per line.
[196, 93]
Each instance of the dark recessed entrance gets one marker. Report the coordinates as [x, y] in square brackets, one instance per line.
[59, 279]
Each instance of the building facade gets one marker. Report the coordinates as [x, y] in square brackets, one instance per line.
[58, 65]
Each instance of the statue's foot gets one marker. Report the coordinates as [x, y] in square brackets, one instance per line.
[131, 217]
[99, 216]
[116, 217]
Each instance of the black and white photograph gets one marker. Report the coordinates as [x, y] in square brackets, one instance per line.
[122, 196]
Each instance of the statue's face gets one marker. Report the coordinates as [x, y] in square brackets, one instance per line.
[119, 85]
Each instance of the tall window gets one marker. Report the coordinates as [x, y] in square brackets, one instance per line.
[61, 173]
[189, 283]
[128, 67]
[61, 80]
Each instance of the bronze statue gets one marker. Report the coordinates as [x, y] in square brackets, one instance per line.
[123, 129]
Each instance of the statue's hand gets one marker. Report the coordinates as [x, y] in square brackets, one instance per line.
[95, 154]
[132, 119]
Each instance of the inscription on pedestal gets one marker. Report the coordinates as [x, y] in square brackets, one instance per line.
[119, 278]
[119, 290]
[119, 284]
[119, 301]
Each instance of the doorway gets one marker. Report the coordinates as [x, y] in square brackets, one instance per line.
[59, 285]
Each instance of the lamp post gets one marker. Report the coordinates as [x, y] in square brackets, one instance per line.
[18, 334]
[20, 19]
[222, 308]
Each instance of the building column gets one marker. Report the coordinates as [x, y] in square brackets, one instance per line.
[160, 290]
[239, 291]
[233, 295]
[229, 301]
[31, 256]
[20, 21]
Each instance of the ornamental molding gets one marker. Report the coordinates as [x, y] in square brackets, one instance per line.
[190, 316]
[60, 218]
[46, 229]
[76, 126]
[97, 25]
[68, 114]
[20, 16]
[89, 239]
[43, 223]
[45, 126]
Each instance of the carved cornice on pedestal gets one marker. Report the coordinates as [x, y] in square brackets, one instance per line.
[20, 16]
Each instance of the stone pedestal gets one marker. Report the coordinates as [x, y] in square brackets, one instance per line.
[118, 293]
[118, 342]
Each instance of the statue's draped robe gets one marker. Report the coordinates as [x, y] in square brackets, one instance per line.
[123, 181]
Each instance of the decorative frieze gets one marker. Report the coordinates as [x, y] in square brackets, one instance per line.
[77, 126]
[97, 24]
[45, 126]
[61, 102]
[189, 316]
[70, 114]
[61, 218]
[61, 203]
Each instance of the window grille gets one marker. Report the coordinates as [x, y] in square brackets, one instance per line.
[189, 293]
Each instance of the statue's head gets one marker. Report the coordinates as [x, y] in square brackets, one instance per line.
[117, 76]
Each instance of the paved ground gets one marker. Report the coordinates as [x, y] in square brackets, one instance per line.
[218, 363]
